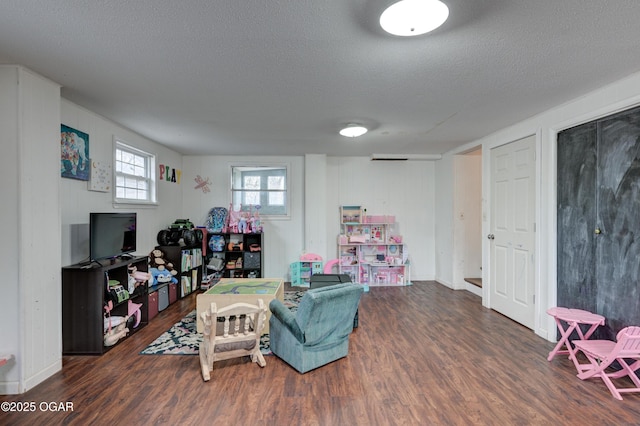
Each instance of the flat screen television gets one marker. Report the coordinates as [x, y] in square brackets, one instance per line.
[111, 234]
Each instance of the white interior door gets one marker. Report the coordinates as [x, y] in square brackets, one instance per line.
[512, 235]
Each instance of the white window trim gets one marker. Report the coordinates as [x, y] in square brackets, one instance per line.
[288, 183]
[153, 188]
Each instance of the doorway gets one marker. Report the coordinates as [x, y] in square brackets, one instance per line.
[467, 221]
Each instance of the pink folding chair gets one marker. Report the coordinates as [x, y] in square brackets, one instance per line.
[602, 353]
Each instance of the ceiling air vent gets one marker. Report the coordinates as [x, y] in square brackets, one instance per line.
[384, 158]
[405, 157]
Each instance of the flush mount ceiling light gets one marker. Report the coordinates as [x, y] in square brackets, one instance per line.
[413, 17]
[353, 130]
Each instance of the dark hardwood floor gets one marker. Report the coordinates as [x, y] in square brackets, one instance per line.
[422, 355]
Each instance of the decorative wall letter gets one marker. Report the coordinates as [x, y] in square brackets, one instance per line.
[169, 174]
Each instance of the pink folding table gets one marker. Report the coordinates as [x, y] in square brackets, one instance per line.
[569, 320]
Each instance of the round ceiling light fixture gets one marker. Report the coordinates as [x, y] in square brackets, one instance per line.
[408, 18]
[353, 131]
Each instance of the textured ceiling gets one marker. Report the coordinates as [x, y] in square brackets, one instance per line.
[280, 77]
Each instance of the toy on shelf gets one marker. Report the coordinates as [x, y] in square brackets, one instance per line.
[235, 246]
[114, 332]
[233, 218]
[302, 270]
[134, 312]
[310, 257]
[180, 229]
[243, 221]
[351, 214]
[217, 220]
[161, 271]
[161, 277]
[115, 291]
[136, 278]
[370, 249]
[216, 243]
[256, 222]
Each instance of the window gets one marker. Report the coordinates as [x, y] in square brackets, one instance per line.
[263, 186]
[135, 175]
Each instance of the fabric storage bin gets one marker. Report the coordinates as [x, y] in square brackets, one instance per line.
[173, 293]
[252, 260]
[163, 298]
[153, 305]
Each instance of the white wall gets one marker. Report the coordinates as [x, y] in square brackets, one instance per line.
[405, 189]
[615, 97]
[9, 175]
[443, 216]
[78, 201]
[381, 187]
[30, 304]
[315, 203]
[283, 238]
[43, 207]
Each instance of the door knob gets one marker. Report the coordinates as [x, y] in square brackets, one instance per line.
[597, 231]
[491, 236]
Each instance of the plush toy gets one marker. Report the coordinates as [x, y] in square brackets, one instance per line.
[161, 276]
[157, 261]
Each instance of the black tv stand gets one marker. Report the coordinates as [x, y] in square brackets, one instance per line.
[84, 298]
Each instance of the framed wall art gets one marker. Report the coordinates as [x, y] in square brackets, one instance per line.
[101, 177]
[74, 158]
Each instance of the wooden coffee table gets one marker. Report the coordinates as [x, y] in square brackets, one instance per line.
[235, 290]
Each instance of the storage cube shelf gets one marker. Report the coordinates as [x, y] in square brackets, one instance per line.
[188, 261]
[231, 255]
[373, 254]
[301, 272]
[84, 298]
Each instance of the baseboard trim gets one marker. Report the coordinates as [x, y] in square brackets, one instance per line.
[9, 388]
[42, 375]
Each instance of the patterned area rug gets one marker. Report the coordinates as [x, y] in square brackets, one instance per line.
[183, 339]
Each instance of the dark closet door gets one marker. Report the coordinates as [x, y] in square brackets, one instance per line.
[618, 244]
[599, 219]
[577, 207]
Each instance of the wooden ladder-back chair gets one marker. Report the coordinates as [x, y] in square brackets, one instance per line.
[602, 353]
[231, 332]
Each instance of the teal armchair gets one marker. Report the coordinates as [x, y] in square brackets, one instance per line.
[319, 332]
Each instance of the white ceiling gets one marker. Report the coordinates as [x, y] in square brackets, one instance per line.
[280, 77]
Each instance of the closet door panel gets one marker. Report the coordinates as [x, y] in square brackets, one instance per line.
[577, 285]
[618, 244]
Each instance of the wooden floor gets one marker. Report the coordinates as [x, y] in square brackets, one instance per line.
[423, 355]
